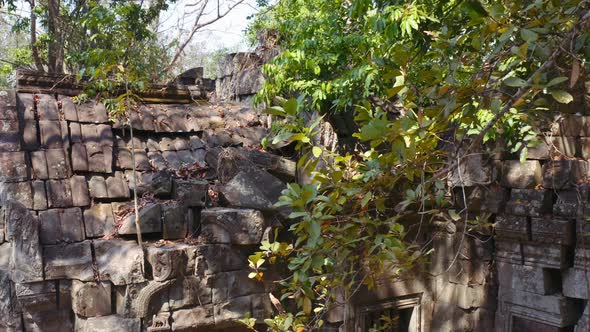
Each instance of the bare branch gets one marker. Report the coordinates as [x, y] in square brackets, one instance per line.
[198, 26]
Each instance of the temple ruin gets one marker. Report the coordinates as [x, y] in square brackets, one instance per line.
[70, 261]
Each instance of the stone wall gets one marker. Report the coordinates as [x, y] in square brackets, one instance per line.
[70, 259]
[69, 256]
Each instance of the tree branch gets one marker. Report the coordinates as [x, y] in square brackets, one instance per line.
[196, 27]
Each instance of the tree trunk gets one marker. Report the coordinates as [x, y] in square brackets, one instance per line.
[55, 47]
[34, 49]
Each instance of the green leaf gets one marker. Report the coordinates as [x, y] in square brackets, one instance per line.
[454, 215]
[291, 106]
[317, 151]
[557, 80]
[528, 35]
[561, 96]
[515, 82]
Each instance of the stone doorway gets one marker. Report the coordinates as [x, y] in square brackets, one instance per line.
[397, 315]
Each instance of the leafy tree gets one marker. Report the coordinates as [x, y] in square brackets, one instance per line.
[429, 83]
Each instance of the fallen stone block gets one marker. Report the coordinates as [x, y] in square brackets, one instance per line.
[68, 261]
[121, 262]
[235, 226]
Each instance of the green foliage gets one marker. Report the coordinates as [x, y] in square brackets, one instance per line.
[428, 82]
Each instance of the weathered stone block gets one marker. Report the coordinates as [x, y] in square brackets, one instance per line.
[561, 146]
[200, 317]
[255, 189]
[576, 283]
[511, 227]
[9, 309]
[229, 285]
[191, 192]
[47, 107]
[509, 252]
[562, 174]
[529, 202]
[50, 132]
[58, 166]
[79, 157]
[166, 262]
[495, 198]
[528, 278]
[110, 323]
[553, 231]
[69, 261]
[117, 187]
[189, 291]
[59, 193]
[158, 183]
[227, 313]
[100, 158]
[22, 231]
[39, 164]
[568, 202]
[30, 137]
[554, 310]
[150, 218]
[79, 188]
[171, 158]
[157, 161]
[470, 172]
[61, 225]
[99, 220]
[235, 226]
[91, 299]
[98, 187]
[174, 221]
[26, 106]
[37, 296]
[67, 107]
[121, 262]
[215, 258]
[52, 320]
[39, 195]
[525, 175]
[13, 167]
[92, 113]
[19, 192]
[546, 255]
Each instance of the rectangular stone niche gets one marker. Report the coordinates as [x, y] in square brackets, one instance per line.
[398, 315]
